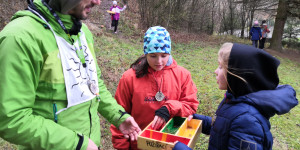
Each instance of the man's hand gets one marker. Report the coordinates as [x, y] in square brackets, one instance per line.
[92, 145]
[130, 129]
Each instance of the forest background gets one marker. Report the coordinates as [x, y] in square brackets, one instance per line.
[198, 28]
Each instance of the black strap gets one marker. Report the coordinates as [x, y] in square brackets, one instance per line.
[122, 113]
[78, 147]
[76, 22]
[56, 17]
[33, 7]
[76, 27]
[163, 112]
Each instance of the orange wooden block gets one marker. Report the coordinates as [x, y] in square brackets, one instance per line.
[164, 137]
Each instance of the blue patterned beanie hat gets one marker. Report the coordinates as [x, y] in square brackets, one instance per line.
[157, 40]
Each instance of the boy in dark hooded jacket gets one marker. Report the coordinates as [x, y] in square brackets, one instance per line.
[253, 96]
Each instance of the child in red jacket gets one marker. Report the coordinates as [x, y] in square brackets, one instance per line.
[155, 88]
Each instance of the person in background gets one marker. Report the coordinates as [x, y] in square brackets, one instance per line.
[155, 88]
[255, 33]
[51, 91]
[265, 31]
[115, 17]
[253, 96]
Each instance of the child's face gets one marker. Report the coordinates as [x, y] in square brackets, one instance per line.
[221, 77]
[157, 61]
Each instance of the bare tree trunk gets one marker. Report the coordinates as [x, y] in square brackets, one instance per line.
[202, 17]
[280, 20]
[231, 16]
[251, 19]
[224, 21]
[243, 17]
[220, 15]
[170, 10]
[212, 16]
[191, 16]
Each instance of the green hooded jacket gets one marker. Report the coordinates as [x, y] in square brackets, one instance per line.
[32, 88]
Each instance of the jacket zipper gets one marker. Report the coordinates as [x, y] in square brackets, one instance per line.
[90, 115]
[54, 112]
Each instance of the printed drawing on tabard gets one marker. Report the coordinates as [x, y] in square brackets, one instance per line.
[81, 74]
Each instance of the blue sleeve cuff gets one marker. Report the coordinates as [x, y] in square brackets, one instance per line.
[181, 146]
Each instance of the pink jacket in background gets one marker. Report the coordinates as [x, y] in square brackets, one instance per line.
[117, 10]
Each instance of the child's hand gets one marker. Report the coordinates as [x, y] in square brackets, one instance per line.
[190, 117]
[180, 146]
[158, 122]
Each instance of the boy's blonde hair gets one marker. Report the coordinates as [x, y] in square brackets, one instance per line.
[223, 55]
[223, 58]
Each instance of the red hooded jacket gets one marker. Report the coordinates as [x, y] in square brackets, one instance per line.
[137, 96]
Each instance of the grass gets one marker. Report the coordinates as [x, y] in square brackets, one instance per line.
[201, 60]
[286, 128]
[115, 53]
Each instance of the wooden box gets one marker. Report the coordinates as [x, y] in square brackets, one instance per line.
[176, 129]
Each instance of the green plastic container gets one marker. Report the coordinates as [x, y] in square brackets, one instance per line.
[173, 125]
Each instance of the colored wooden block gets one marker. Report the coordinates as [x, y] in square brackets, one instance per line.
[176, 129]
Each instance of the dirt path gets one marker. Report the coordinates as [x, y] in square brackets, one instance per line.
[99, 22]
[293, 55]
[99, 18]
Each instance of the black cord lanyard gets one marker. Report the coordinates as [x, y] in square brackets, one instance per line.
[159, 87]
[56, 17]
[159, 96]
[79, 51]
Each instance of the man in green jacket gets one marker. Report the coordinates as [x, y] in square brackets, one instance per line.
[50, 89]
